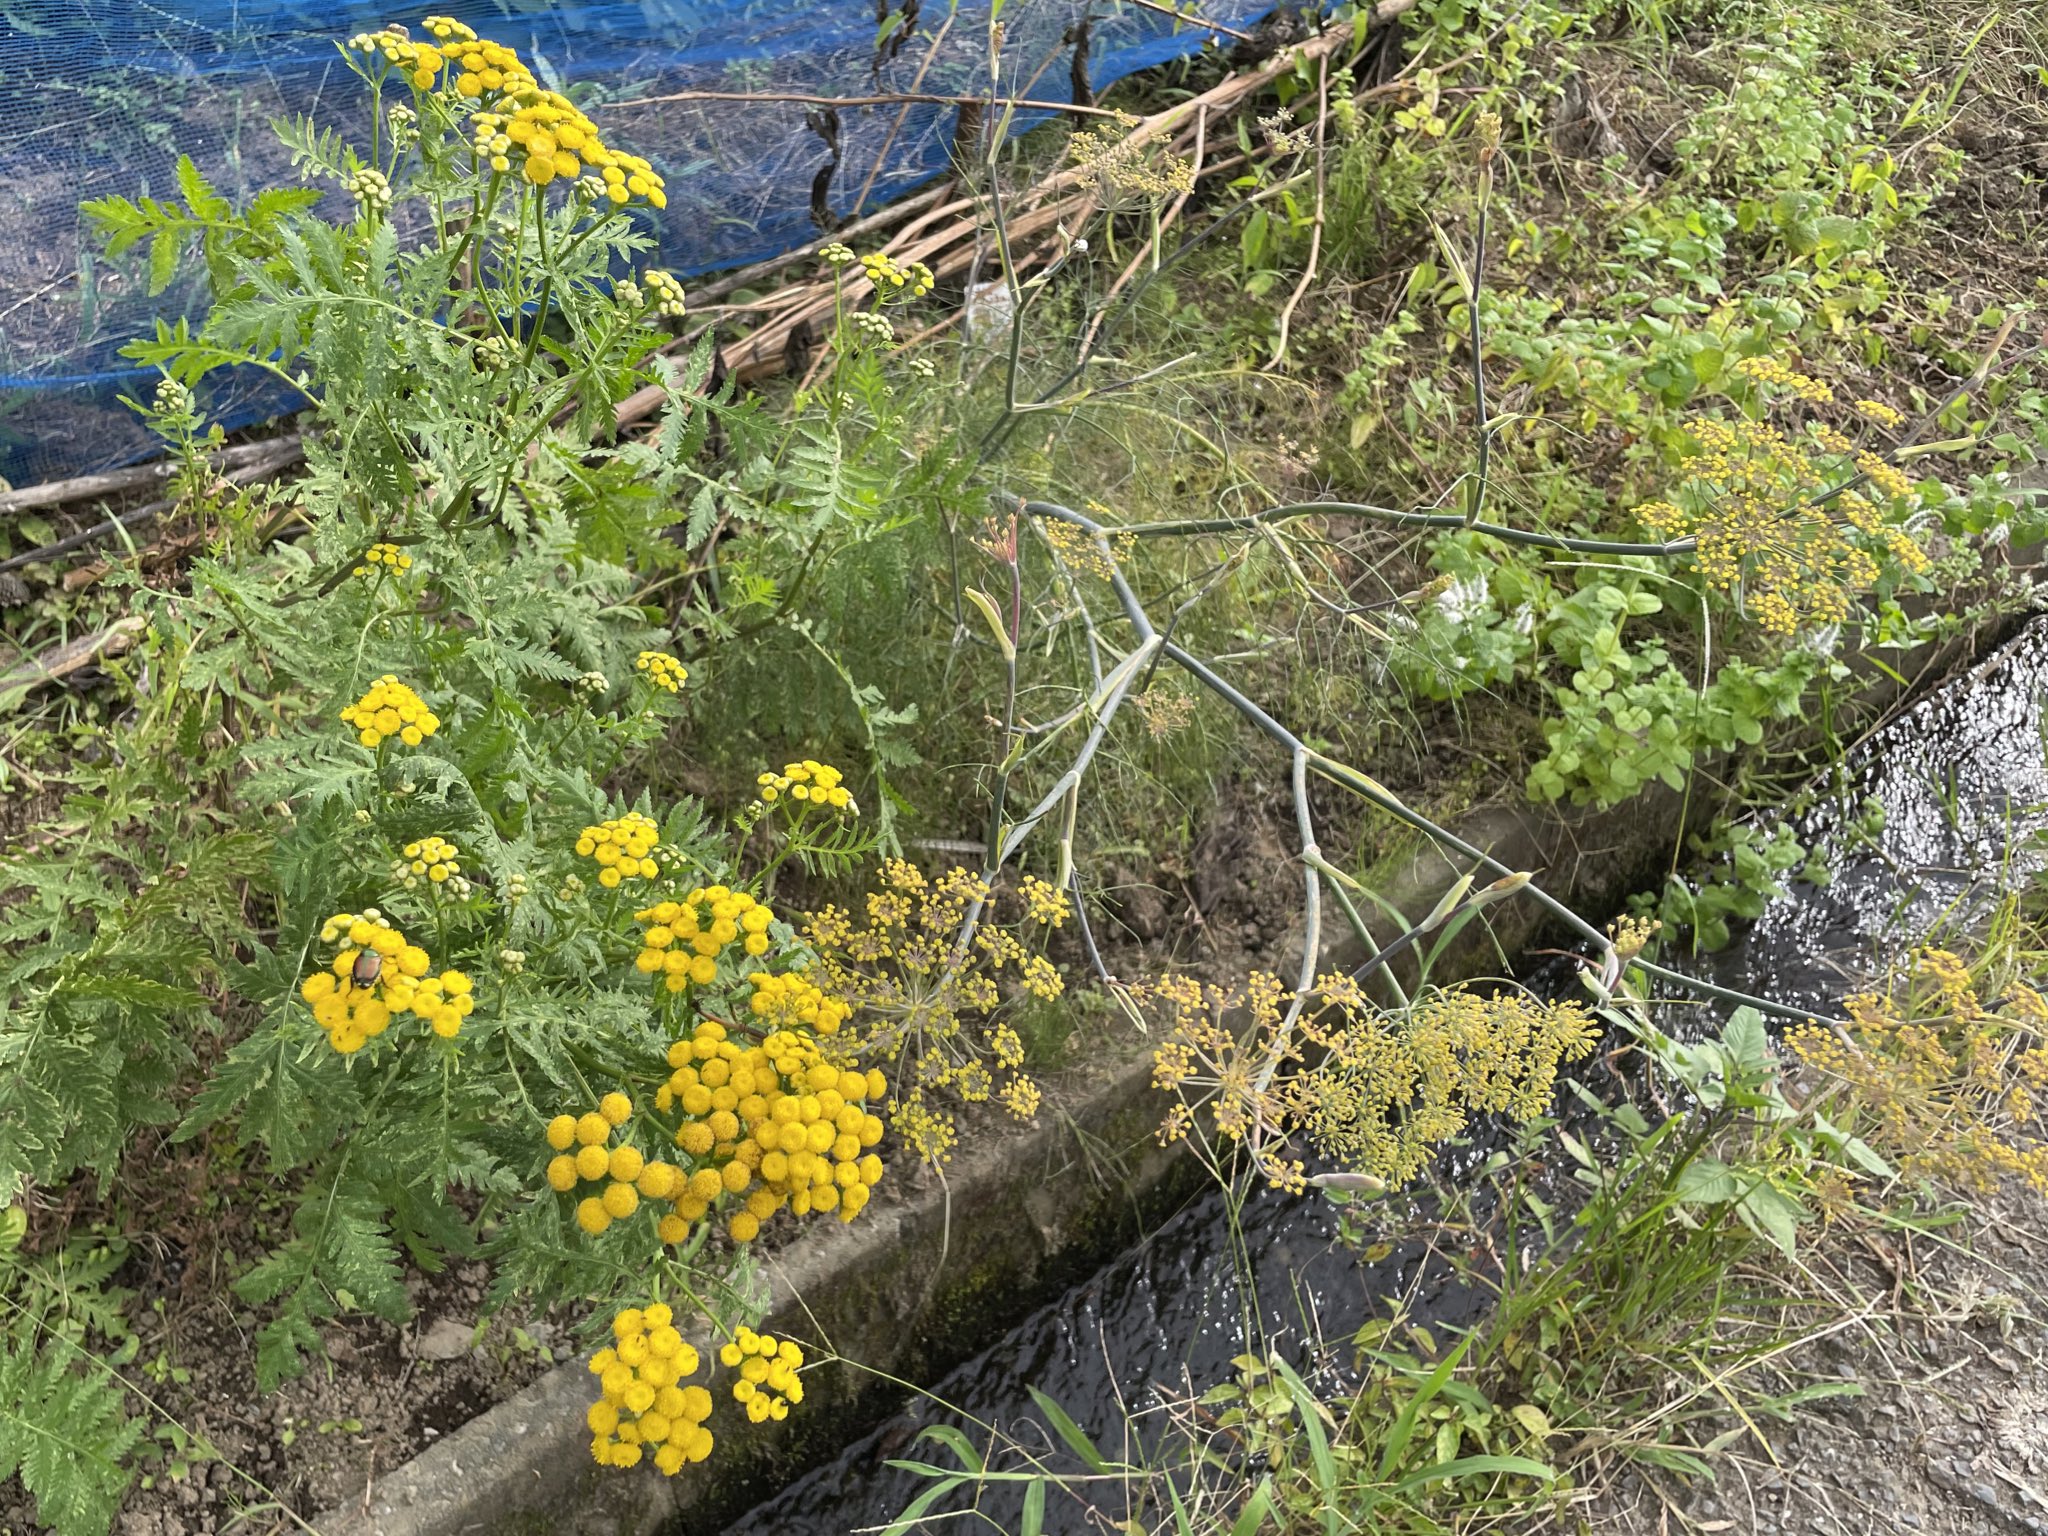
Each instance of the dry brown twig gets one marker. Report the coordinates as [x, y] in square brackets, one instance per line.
[881, 99]
[1315, 238]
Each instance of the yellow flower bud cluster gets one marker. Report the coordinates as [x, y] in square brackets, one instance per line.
[390, 709]
[668, 294]
[434, 859]
[663, 670]
[683, 939]
[386, 557]
[623, 848]
[890, 280]
[768, 1384]
[778, 1122]
[1770, 372]
[370, 188]
[871, 328]
[795, 1002]
[924, 1011]
[1751, 495]
[376, 976]
[1877, 411]
[584, 1155]
[420, 63]
[1044, 902]
[807, 783]
[643, 1407]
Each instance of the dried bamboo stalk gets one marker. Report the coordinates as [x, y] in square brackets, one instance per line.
[946, 234]
[113, 482]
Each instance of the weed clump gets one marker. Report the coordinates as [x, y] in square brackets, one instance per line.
[1943, 1080]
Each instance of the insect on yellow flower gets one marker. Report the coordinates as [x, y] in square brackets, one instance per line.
[376, 976]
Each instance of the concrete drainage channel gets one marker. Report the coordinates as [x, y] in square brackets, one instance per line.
[921, 1281]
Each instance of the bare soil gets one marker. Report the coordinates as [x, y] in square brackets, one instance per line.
[1949, 1436]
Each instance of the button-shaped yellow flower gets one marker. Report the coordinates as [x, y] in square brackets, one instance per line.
[662, 670]
[623, 848]
[390, 708]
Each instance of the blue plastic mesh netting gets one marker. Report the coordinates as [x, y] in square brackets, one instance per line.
[98, 97]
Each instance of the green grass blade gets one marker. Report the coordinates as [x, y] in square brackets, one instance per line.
[1469, 1466]
[1310, 1411]
[1069, 1431]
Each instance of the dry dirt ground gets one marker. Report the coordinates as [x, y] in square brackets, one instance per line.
[1949, 1436]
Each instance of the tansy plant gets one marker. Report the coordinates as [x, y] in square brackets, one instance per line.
[462, 333]
[488, 995]
[358, 893]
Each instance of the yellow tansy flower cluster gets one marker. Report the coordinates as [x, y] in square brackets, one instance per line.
[383, 557]
[1877, 411]
[806, 783]
[777, 1121]
[768, 1384]
[920, 1000]
[545, 138]
[390, 708]
[644, 1409]
[623, 848]
[682, 940]
[584, 1155]
[1936, 1077]
[793, 1002]
[1747, 496]
[375, 977]
[913, 280]
[537, 132]
[662, 670]
[1380, 1092]
[420, 63]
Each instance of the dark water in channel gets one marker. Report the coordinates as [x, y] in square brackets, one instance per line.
[1963, 782]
